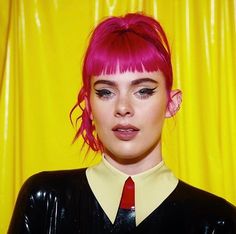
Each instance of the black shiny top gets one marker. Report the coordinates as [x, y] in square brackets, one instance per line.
[62, 202]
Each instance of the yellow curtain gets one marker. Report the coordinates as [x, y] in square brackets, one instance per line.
[41, 49]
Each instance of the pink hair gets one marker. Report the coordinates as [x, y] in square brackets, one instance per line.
[135, 42]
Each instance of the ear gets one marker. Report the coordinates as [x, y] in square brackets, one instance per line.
[174, 103]
[88, 108]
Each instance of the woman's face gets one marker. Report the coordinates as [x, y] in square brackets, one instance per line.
[128, 110]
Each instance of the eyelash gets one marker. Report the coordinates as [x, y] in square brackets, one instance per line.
[103, 93]
[142, 93]
[146, 92]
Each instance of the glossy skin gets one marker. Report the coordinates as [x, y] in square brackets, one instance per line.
[128, 110]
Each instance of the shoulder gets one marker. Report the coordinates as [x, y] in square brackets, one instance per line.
[189, 193]
[43, 194]
[56, 181]
[204, 205]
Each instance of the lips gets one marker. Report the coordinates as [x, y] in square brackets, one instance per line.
[125, 132]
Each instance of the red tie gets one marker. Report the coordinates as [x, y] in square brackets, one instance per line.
[127, 199]
[125, 218]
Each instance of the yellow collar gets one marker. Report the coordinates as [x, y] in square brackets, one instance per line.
[152, 187]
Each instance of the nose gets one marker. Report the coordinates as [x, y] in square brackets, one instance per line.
[124, 107]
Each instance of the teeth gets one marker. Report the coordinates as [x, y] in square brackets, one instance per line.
[125, 130]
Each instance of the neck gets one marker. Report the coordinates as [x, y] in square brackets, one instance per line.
[133, 167]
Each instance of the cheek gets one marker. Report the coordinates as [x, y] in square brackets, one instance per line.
[97, 108]
[156, 120]
[101, 115]
[154, 112]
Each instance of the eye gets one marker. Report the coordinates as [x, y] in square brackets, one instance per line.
[145, 92]
[104, 93]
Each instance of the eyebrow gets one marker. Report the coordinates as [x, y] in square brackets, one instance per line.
[134, 82]
[108, 82]
[143, 80]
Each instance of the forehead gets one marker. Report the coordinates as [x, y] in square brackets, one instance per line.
[129, 77]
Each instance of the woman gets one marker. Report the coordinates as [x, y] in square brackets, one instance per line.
[127, 90]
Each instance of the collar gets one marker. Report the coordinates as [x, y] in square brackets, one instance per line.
[152, 187]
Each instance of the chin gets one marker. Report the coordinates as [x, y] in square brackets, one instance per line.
[125, 155]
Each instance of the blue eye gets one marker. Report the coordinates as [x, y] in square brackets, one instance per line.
[103, 93]
[146, 92]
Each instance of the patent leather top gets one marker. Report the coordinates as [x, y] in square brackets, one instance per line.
[62, 202]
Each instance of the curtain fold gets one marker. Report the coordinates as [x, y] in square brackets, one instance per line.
[41, 49]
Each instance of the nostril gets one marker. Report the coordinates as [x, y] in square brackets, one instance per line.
[118, 114]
